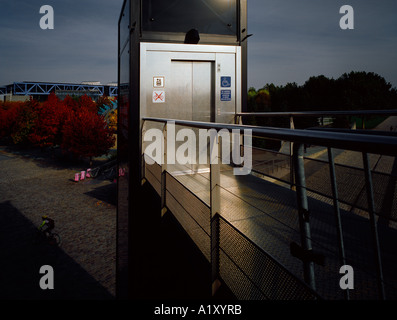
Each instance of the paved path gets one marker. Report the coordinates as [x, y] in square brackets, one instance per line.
[33, 184]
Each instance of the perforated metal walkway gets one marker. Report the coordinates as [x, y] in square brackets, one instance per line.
[267, 214]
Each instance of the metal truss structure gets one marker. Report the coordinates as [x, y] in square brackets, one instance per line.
[3, 90]
[42, 88]
[113, 91]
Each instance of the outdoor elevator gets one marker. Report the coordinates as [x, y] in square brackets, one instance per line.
[183, 60]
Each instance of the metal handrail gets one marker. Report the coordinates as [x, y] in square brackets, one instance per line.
[357, 131]
[363, 143]
[320, 113]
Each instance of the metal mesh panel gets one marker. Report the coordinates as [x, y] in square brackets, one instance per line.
[385, 195]
[191, 212]
[352, 187]
[251, 273]
[318, 177]
[272, 164]
[270, 219]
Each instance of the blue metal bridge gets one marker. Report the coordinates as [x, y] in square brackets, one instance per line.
[326, 199]
[45, 88]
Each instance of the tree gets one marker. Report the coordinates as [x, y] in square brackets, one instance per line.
[365, 90]
[47, 129]
[70, 103]
[86, 102]
[85, 134]
[8, 117]
[25, 118]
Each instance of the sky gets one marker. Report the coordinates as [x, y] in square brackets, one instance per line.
[292, 40]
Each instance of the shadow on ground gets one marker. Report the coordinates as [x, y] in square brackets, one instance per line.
[168, 264]
[53, 157]
[107, 193]
[21, 259]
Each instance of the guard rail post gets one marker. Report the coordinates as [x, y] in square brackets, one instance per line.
[374, 232]
[342, 257]
[215, 208]
[303, 211]
[291, 153]
[164, 171]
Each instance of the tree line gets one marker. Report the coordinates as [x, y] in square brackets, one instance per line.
[351, 91]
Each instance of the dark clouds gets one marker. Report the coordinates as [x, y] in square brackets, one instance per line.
[82, 46]
[292, 40]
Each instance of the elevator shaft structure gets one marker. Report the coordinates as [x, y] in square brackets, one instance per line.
[183, 60]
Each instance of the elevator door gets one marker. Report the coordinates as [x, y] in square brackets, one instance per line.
[193, 85]
[193, 88]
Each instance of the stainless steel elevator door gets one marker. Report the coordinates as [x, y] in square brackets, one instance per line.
[193, 85]
[193, 89]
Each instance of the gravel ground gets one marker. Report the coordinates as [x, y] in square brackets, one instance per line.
[34, 183]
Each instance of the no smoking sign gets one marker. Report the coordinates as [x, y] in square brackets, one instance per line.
[158, 96]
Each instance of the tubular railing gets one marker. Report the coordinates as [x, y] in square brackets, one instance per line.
[317, 114]
[321, 115]
[203, 221]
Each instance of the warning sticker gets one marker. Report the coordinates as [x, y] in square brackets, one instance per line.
[158, 96]
[226, 95]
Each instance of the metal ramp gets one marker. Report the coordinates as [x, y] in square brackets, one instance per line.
[257, 220]
[248, 263]
[265, 215]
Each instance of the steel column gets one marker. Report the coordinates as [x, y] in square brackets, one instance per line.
[164, 172]
[291, 153]
[303, 211]
[342, 257]
[372, 219]
[215, 164]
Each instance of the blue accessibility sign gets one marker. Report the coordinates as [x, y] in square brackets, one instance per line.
[226, 82]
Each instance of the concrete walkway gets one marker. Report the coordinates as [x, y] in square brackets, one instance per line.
[33, 184]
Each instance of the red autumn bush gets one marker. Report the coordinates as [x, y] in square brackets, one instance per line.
[85, 134]
[74, 124]
[25, 119]
[70, 103]
[87, 103]
[50, 117]
[8, 116]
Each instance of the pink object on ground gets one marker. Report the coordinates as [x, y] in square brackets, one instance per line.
[88, 175]
[77, 177]
[82, 175]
